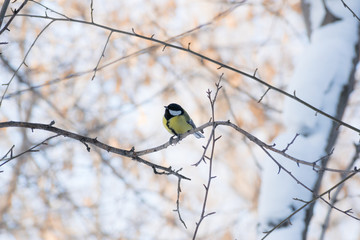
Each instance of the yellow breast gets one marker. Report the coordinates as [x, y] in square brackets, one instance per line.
[177, 125]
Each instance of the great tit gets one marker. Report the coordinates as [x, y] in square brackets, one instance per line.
[177, 121]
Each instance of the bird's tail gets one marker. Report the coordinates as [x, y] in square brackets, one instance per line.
[198, 135]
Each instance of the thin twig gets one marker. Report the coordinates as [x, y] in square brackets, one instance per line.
[178, 203]
[309, 202]
[102, 55]
[92, 10]
[353, 13]
[261, 98]
[292, 142]
[8, 152]
[32, 149]
[210, 159]
[337, 192]
[23, 61]
[15, 12]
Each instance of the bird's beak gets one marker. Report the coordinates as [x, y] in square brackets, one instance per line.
[165, 107]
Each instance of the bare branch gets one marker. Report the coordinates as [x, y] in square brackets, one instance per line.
[306, 204]
[102, 55]
[126, 153]
[178, 203]
[211, 158]
[2, 14]
[337, 192]
[353, 13]
[32, 149]
[289, 144]
[3, 11]
[203, 57]
[23, 62]
[261, 98]
[132, 154]
[92, 11]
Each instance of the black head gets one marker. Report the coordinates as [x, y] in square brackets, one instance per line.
[173, 110]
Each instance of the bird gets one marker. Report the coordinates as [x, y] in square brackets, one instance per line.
[177, 121]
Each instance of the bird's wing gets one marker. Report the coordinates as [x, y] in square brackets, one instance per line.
[190, 121]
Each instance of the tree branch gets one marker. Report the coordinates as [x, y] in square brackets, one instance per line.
[93, 141]
[309, 202]
[15, 12]
[202, 57]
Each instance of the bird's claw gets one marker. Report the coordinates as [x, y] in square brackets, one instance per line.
[174, 140]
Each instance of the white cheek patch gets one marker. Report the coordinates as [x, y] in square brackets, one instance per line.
[174, 113]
